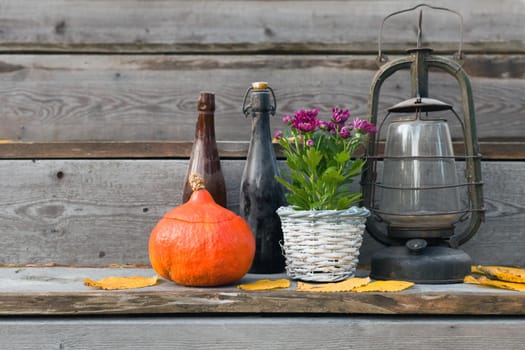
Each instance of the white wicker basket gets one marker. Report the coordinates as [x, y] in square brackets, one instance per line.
[322, 245]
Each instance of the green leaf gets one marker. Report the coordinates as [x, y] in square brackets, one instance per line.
[354, 169]
[331, 176]
[348, 200]
[342, 157]
[312, 157]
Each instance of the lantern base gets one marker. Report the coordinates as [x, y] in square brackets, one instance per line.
[418, 263]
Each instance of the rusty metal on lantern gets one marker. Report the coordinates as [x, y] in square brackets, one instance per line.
[421, 208]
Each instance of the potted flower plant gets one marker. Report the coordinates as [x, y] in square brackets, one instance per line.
[322, 224]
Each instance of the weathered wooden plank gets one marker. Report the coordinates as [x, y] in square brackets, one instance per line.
[153, 98]
[80, 211]
[505, 216]
[76, 207]
[214, 26]
[313, 333]
[60, 291]
[493, 150]
[115, 149]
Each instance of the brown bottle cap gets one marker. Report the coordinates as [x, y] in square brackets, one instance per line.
[206, 102]
[260, 85]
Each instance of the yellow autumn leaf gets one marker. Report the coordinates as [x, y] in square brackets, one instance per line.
[470, 279]
[384, 286]
[484, 281]
[502, 273]
[112, 283]
[334, 287]
[475, 269]
[265, 284]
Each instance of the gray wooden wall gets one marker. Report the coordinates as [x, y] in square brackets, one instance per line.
[98, 106]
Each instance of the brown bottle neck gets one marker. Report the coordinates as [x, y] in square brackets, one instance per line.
[205, 125]
[205, 128]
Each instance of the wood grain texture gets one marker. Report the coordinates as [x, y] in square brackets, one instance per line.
[252, 26]
[490, 150]
[330, 333]
[76, 209]
[60, 291]
[153, 98]
[81, 211]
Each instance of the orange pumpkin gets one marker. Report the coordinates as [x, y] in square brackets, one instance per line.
[200, 243]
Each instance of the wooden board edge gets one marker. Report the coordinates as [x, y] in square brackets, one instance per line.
[224, 302]
[365, 47]
[490, 150]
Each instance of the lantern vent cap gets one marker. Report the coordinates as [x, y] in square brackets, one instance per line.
[420, 104]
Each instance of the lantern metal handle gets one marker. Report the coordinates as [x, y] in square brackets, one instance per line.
[381, 58]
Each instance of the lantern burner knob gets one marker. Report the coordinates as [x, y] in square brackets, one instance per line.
[416, 246]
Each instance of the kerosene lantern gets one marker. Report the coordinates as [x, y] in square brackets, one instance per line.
[422, 207]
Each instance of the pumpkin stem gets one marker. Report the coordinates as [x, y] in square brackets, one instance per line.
[196, 182]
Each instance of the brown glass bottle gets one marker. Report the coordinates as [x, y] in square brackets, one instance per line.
[204, 158]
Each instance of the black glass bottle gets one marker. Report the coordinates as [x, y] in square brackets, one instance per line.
[204, 159]
[261, 194]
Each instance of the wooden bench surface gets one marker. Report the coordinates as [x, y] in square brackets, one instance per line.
[50, 308]
[61, 291]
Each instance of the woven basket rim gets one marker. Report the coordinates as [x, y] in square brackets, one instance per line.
[352, 211]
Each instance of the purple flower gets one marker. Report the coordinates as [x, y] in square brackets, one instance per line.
[332, 128]
[340, 116]
[345, 132]
[363, 125]
[305, 120]
[278, 134]
[287, 119]
[324, 125]
[310, 143]
[327, 126]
